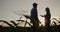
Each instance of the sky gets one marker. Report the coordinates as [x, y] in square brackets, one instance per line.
[12, 9]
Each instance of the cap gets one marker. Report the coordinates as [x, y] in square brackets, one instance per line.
[35, 4]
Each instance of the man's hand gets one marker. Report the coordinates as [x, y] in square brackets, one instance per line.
[41, 15]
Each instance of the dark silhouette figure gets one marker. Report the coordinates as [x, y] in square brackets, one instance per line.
[34, 16]
[47, 17]
[34, 12]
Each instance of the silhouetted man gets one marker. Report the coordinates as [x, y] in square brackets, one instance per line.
[34, 12]
[34, 16]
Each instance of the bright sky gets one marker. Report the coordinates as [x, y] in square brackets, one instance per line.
[8, 7]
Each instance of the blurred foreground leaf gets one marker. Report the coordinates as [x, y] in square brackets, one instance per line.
[27, 16]
[6, 23]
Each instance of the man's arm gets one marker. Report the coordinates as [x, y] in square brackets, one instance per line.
[42, 15]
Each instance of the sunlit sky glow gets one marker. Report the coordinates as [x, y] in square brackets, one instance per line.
[8, 7]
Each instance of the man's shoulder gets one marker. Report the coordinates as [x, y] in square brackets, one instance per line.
[33, 9]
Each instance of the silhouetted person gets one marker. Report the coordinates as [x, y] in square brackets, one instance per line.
[47, 17]
[34, 16]
[34, 12]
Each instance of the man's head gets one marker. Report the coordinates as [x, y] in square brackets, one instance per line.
[35, 4]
